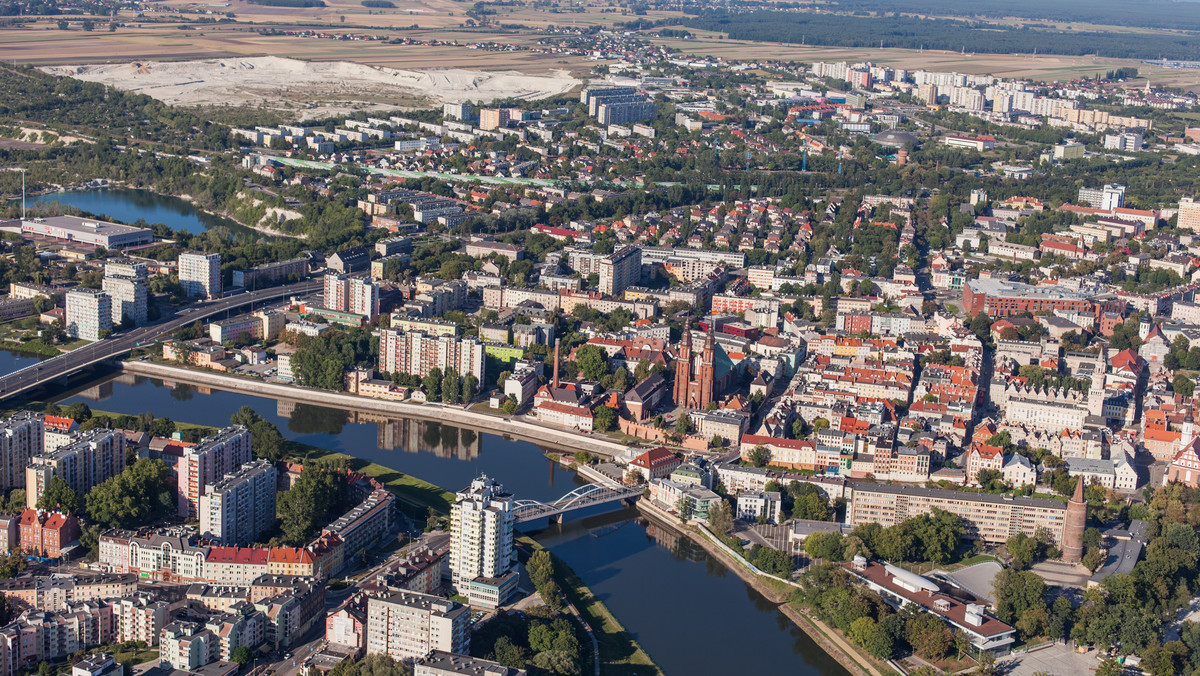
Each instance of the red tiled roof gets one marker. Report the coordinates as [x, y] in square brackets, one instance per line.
[58, 422]
[654, 458]
[243, 555]
[289, 555]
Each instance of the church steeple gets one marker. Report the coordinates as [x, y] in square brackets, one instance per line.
[1096, 391]
[683, 366]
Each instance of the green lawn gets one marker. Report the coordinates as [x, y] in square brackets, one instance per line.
[619, 653]
[136, 656]
[414, 491]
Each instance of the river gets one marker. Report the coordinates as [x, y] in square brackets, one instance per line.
[686, 609]
[128, 205]
[15, 361]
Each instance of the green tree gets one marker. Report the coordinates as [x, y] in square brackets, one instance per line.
[1017, 592]
[371, 665]
[928, 635]
[59, 496]
[593, 362]
[603, 419]
[15, 503]
[1183, 385]
[867, 633]
[682, 424]
[470, 388]
[509, 654]
[555, 662]
[1167, 659]
[720, 518]
[827, 546]
[243, 655]
[138, 495]
[451, 387]
[939, 534]
[266, 441]
[758, 456]
[1023, 550]
[317, 496]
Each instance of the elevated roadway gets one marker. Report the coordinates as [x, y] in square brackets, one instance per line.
[67, 363]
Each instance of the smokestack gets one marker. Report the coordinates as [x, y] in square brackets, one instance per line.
[557, 342]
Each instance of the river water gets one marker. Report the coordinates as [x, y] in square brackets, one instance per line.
[15, 361]
[128, 205]
[690, 613]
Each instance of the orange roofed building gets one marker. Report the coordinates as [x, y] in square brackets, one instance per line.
[47, 534]
[981, 457]
[655, 463]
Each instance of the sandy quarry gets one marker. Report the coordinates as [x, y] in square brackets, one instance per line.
[312, 89]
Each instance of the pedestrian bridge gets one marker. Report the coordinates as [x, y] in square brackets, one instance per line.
[584, 496]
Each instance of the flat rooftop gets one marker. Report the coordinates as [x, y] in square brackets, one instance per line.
[1009, 289]
[88, 226]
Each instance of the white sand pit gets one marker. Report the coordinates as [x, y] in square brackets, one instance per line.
[311, 89]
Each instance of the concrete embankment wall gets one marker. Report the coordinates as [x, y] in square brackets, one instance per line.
[567, 440]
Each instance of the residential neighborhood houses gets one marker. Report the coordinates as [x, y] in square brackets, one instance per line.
[950, 410]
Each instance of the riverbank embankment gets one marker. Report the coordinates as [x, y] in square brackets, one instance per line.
[773, 589]
[566, 439]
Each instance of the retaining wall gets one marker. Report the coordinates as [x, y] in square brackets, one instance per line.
[568, 440]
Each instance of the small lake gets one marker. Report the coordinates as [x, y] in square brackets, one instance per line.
[687, 610]
[128, 205]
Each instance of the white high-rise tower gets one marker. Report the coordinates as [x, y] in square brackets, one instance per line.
[481, 543]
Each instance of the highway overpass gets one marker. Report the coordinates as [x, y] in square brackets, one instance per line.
[67, 363]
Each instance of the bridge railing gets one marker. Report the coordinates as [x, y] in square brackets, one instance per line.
[584, 496]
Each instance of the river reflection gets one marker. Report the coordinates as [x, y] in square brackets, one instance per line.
[679, 602]
[684, 607]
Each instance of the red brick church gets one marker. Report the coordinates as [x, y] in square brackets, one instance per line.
[701, 376]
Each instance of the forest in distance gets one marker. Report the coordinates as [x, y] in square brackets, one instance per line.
[906, 32]
[1165, 14]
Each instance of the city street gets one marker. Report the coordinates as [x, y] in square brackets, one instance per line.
[121, 343]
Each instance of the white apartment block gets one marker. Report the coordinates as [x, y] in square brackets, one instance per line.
[753, 505]
[1047, 415]
[207, 463]
[139, 618]
[125, 281]
[128, 299]
[187, 646]
[200, 274]
[419, 353]
[1128, 142]
[407, 625]
[1189, 213]
[352, 294]
[1111, 196]
[621, 269]
[21, 437]
[240, 507]
[481, 537]
[89, 314]
[90, 460]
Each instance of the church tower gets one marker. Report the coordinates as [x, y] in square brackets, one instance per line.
[1096, 391]
[683, 366]
[706, 376]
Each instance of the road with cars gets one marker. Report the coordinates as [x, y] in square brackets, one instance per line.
[121, 343]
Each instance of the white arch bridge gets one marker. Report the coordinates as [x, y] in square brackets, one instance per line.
[584, 496]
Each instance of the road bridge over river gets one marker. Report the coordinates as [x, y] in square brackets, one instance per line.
[59, 367]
